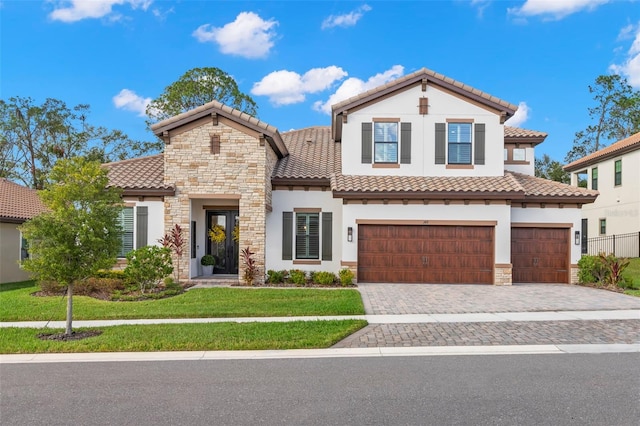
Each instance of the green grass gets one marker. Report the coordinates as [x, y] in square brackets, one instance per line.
[633, 273]
[186, 337]
[17, 304]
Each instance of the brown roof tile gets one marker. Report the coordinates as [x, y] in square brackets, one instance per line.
[537, 187]
[312, 154]
[139, 175]
[18, 203]
[516, 132]
[625, 145]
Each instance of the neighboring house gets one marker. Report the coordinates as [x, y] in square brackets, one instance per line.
[615, 172]
[17, 205]
[416, 181]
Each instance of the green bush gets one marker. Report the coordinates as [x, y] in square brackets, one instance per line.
[148, 266]
[276, 277]
[587, 265]
[117, 274]
[97, 285]
[603, 270]
[298, 277]
[614, 267]
[346, 276]
[51, 287]
[324, 278]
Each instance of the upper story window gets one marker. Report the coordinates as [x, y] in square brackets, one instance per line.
[459, 143]
[385, 139]
[594, 178]
[618, 173]
[519, 154]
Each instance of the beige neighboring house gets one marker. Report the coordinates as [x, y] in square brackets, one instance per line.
[415, 181]
[17, 205]
[614, 171]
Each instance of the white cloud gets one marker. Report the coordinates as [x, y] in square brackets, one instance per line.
[346, 20]
[248, 36]
[288, 87]
[521, 115]
[354, 86]
[554, 9]
[481, 5]
[130, 101]
[77, 10]
[630, 67]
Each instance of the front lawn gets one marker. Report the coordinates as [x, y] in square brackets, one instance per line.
[633, 273]
[186, 337]
[17, 304]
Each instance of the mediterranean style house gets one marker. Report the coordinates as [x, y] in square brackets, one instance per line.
[416, 181]
[17, 205]
[614, 171]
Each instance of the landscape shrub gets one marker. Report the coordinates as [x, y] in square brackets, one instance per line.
[587, 269]
[346, 276]
[250, 266]
[148, 266]
[110, 273]
[298, 277]
[603, 270]
[614, 266]
[276, 277]
[93, 285]
[324, 278]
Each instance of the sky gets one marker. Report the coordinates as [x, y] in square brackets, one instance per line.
[296, 58]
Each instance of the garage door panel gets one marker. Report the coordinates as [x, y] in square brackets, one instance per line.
[425, 254]
[540, 255]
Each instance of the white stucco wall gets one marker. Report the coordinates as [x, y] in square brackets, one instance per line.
[287, 201]
[619, 205]
[155, 220]
[550, 215]
[499, 213]
[442, 106]
[527, 169]
[10, 240]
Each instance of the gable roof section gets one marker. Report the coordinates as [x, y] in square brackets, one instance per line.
[543, 190]
[421, 76]
[18, 203]
[214, 107]
[518, 135]
[139, 176]
[623, 146]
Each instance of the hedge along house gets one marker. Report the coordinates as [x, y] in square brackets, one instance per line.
[416, 181]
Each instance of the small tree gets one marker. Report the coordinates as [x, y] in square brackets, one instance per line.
[174, 240]
[80, 233]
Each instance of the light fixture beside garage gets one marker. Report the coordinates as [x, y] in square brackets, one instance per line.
[577, 238]
[350, 234]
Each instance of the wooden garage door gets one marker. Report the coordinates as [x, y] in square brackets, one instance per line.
[540, 255]
[425, 254]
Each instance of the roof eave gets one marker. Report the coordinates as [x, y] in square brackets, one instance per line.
[587, 162]
[148, 191]
[292, 181]
[430, 195]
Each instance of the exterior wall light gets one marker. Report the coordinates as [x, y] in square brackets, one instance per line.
[350, 234]
[577, 238]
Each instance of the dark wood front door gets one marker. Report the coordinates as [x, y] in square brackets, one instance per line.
[425, 254]
[540, 255]
[226, 249]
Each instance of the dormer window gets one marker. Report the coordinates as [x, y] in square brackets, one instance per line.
[385, 136]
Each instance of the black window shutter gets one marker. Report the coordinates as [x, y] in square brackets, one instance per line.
[441, 142]
[405, 140]
[287, 235]
[367, 138]
[192, 231]
[479, 143]
[141, 226]
[327, 232]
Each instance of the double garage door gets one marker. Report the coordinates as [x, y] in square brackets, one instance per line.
[458, 254]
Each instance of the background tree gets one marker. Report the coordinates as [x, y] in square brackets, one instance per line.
[615, 116]
[34, 137]
[196, 87]
[550, 169]
[80, 233]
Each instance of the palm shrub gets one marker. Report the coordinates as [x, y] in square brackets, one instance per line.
[148, 266]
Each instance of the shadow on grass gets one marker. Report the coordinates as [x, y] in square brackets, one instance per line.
[17, 285]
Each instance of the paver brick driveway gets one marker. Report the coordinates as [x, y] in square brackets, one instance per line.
[401, 299]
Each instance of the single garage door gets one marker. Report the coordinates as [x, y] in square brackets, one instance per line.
[425, 254]
[540, 255]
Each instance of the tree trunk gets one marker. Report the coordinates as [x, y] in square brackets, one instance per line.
[68, 330]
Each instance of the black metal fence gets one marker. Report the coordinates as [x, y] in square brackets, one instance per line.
[623, 245]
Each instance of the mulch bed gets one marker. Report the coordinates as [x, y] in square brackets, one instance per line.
[75, 335]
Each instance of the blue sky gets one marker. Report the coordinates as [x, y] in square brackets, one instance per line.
[295, 58]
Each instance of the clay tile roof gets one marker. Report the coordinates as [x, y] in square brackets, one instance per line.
[516, 132]
[537, 187]
[431, 184]
[312, 154]
[139, 175]
[18, 203]
[432, 77]
[625, 145]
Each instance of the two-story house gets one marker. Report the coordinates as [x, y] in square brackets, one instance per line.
[614, 171]
[416, 181]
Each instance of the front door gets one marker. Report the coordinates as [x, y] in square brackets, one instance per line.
[222, 241]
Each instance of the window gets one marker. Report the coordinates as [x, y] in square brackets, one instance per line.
[126, 226]
[385, 138]
[506, 155]
[519, 154]
[24, 248]
[459, 142]
[594, 178]
[603, 226]
[307, 235]
[618, 173]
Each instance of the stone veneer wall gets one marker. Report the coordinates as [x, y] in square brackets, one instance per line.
[503, 274]
[239, 170]
[574, 274]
